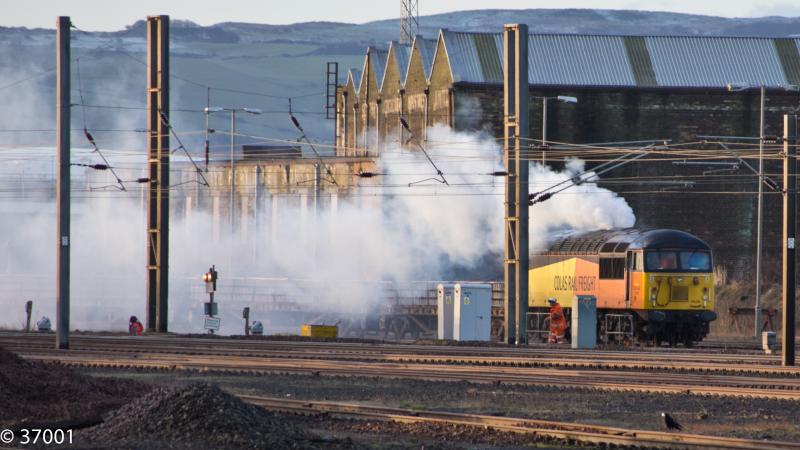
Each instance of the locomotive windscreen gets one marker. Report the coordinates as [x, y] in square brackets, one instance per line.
[674, 260]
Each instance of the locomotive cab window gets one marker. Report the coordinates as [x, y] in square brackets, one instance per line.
[612, 268]
[671, 260]
[696, 260]
[636, 261]
[661, 260]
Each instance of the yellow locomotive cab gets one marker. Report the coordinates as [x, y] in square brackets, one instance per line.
[655, 285]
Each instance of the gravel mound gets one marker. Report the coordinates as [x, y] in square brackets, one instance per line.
[32, 391]
[197, 416]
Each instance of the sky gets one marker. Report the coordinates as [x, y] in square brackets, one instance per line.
[95, 15]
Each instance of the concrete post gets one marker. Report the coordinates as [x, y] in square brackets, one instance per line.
[28, 313]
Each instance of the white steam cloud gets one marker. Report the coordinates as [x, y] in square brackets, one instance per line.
[336, 260]
[583, 207]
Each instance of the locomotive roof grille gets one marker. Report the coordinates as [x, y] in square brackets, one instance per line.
[621, 240]
[621, 247]
[608, 247]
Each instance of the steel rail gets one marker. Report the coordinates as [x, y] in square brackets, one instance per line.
[689, 369]
[549, 429]
[384, 348]
[389, 345]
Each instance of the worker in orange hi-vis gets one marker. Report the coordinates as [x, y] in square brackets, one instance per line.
[135, 327]
[558, 324]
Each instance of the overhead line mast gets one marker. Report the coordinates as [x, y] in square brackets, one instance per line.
[63, 192]
[515, 114]
[158, 160]
[409, 20]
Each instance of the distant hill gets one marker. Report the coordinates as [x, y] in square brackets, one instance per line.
[273, 62]
[603, 21]
[342, 36]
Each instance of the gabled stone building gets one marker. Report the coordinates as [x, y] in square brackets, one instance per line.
[629, 88]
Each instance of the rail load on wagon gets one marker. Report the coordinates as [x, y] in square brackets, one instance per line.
[651, 286]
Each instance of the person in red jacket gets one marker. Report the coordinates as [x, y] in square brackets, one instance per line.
[135, 327]
[558, 323]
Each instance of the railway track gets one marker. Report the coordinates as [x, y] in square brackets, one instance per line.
[588, 434]
[608, 380]
[756, 376]
[685, 362]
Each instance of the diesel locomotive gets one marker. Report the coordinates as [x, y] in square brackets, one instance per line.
[651, 285]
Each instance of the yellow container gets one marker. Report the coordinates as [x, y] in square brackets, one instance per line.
[326, 331]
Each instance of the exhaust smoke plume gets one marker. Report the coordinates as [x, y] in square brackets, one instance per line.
[337, 259]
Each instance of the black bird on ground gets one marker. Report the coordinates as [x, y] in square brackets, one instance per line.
[670, 422]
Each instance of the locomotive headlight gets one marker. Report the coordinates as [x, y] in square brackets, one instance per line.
[696, 281]
[680, 279]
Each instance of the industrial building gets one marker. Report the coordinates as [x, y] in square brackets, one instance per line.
[628, 88]
[256, 184]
